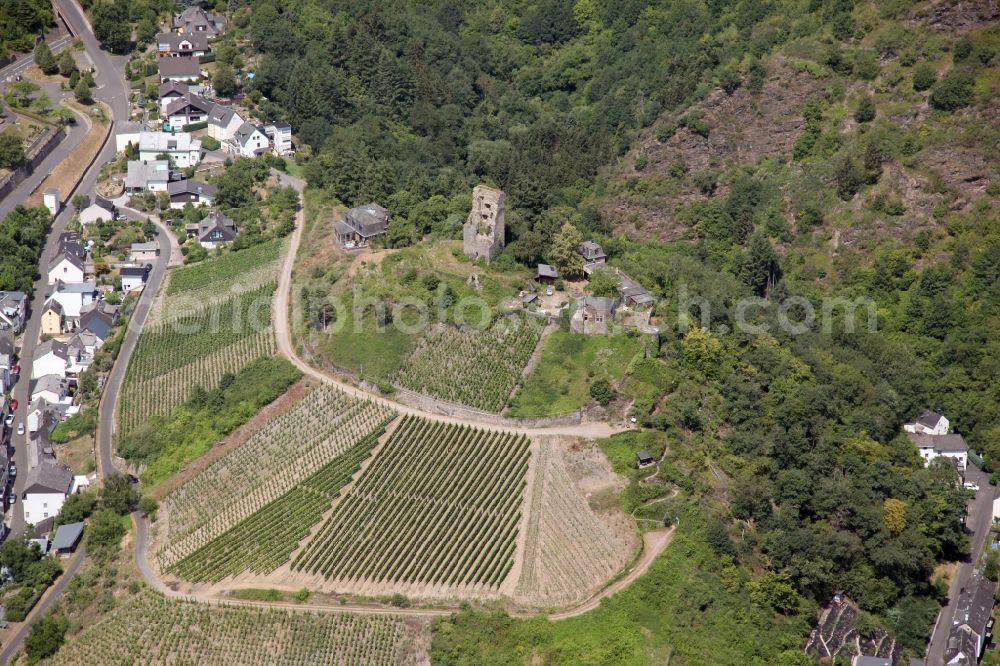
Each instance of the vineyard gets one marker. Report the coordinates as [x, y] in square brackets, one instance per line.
[151, 630]
[570, 551]
[172, 358]
[440, 506]
[469, 366]
[223, 270]
[250, 508]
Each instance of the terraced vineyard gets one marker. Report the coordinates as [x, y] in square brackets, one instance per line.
[469, 366]
[439, 506]
[570, 551]
[250, 508]
[213, 318]
[224, 270]
[151, 630]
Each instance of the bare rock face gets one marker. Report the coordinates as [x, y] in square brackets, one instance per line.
[744, 128]
[953, 17]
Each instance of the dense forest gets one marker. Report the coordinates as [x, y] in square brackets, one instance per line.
[22, 237]
[789, 445]
[20, 22]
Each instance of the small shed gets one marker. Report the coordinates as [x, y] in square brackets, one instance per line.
[643, 459]
[546, 274]
[67, 538]
[43, 545]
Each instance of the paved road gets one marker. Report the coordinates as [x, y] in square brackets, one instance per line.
[979, 521]
[21, 65]
[14, 644]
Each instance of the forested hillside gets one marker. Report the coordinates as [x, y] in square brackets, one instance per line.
[20, 22]
[730, 149]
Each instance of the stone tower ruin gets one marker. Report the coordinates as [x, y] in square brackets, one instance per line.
[483, 233]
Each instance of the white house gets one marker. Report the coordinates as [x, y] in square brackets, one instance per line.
[182, 150]
[74, 298]
[128, 132]
[929, 423]
[98, 209]
[213, 230]
[66, 268]
[248, 141]
[133, 278]
[50, 358]
[178, 45]
[194, 192]
[179, 69]
[53, 389]
[187, 110]
[280, 134]
[223, 123]
[13, 309]
[934, 446]
[194, 19]
[147, 176]
[45, 491]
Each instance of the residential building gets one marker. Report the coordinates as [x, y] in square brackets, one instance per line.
[223, 123]
[593, 256]
[96, 210]
[74, 298]
[67, 268]
[187, 110]
[144, 251]
[634, 295]
[593, 315]
[70, 242]
[362, 224]
[67, 538]
[13, 310]
[127, 132]
[52, 389]
[247, 141]
[194, 192]
[179, 69]
[194, 19]
[179, 147]
[45, 491]
[934, 446]
[133, 278]
[972, 623]
[50, 358]
[7, 361]
[53, 321]
[484, 229]
[147, 176]
[643, 459]
[215, 229]
[98, 323]
[929, 423]
[171, 91]
[280, 134]
[546, 274]
[181, 45]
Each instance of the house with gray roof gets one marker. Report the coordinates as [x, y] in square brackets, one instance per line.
[194, 19]
[972, 623]
[98, 323]
[213, 230]
[194, 192]
[13, 310]
[248, 141]
[361, 225]
[929, 423]
[181, 45]
[179, 69]
[223, 121]
[147, 176]
[187, 109]
[45, 490]
[66, 538]
[593, 315]
[593, 256]
[934, 446]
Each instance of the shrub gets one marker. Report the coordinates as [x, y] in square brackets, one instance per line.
[865, 113]
[952, 92]
[602, 391]
[924, 77]
[46, 636]
[665, 130]
[210, 143]
[641, 161]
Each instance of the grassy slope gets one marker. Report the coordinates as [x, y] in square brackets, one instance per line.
[570, 362]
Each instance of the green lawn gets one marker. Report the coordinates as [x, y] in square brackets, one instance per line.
[372, 352]
[570, 363]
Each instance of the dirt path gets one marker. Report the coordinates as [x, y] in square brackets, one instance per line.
[654, 543]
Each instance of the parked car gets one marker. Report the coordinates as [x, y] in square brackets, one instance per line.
[549, 291]
[11, 499]
[13, 405]
[20, 428]
[120, 217]
[13, 471]
[9, 421]
[971, 486]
